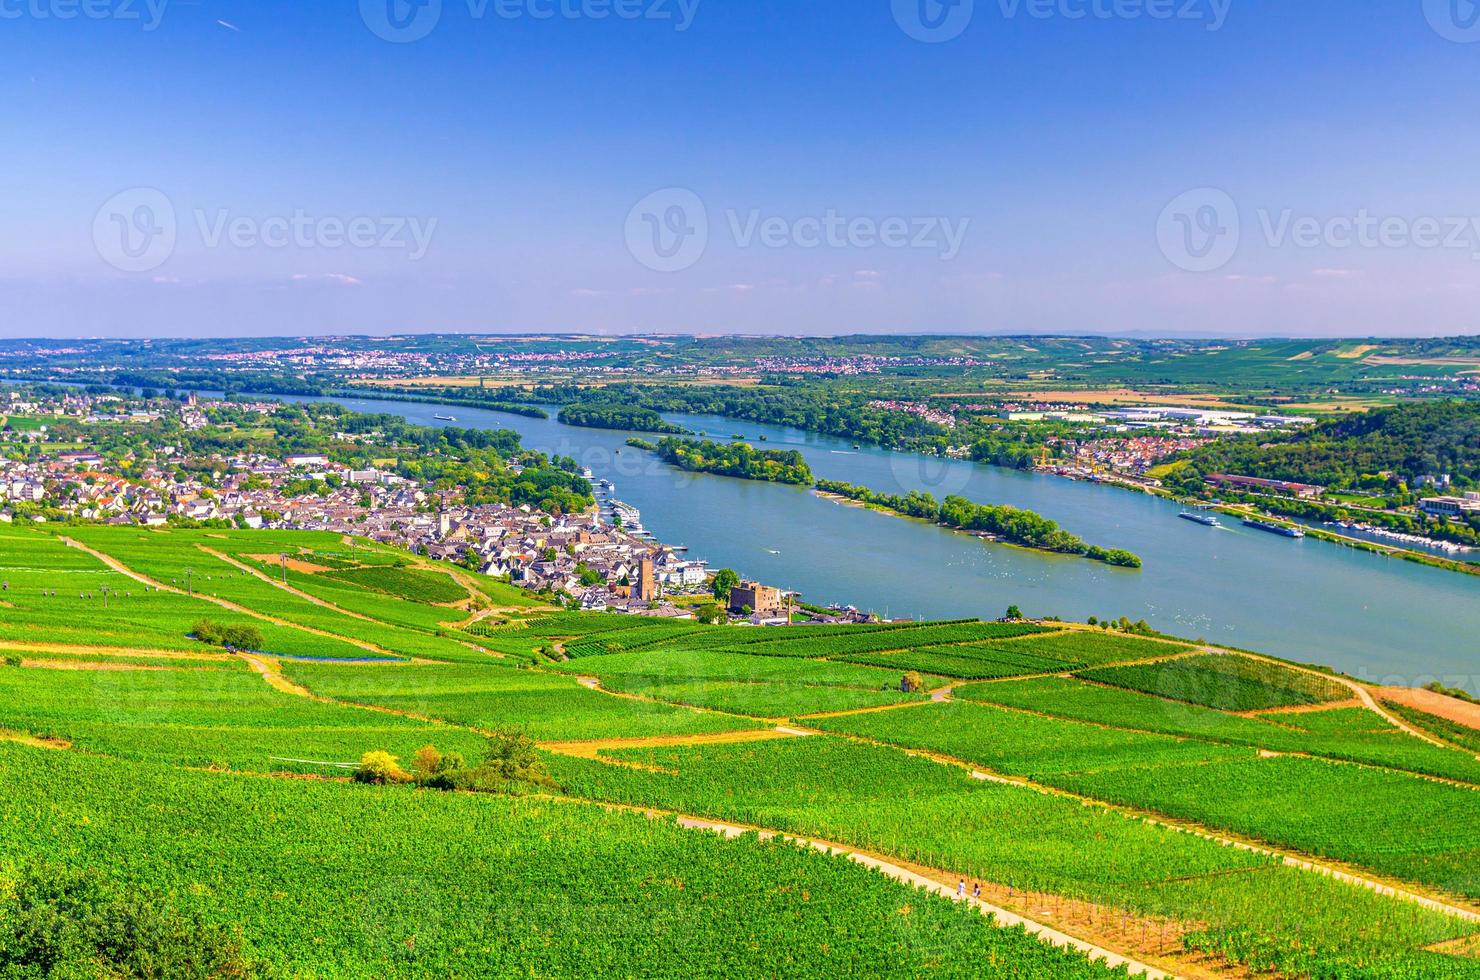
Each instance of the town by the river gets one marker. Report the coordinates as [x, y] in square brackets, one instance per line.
[1310, 600]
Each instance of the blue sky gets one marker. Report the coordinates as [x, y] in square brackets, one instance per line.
[1156, 166]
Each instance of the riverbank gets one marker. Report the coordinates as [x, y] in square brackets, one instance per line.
[1239, 588]
[1242, 511]
[1319, 533]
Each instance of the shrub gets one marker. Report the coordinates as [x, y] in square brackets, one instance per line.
[241, 637]
[11, 660]
[206, 631]
[427, 761]
[380, 768]
[512, 766]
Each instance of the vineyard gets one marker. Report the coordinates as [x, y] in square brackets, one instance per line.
[548, 707]
[762, 687]
[410, 884]
[873, 797]
[1038, 761]
[1231, 683]
[1350, 734]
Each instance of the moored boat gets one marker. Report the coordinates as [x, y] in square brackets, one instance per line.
[1272, 528]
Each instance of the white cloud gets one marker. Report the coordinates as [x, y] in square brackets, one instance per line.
[337, 278]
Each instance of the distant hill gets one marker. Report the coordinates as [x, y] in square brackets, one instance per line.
[1412, 441]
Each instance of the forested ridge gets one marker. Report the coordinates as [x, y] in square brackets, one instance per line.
[1411, 441]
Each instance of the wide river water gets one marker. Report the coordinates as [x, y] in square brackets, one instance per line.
[1376, 618]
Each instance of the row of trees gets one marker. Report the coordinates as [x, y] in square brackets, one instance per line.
[816, 408]
[629, 418]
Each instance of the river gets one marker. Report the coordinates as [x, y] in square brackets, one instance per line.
[1379, 619]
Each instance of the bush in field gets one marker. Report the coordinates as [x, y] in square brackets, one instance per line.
[434, 769]
[61, 923]
[11, 660]
[426, 761]
[230, 637]
[512, 766]
[380, 768]
[912, 683]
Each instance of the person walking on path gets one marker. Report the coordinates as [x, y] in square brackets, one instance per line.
[961, 889]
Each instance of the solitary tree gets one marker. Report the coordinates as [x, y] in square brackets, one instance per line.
[1013, 612]
[724, 581]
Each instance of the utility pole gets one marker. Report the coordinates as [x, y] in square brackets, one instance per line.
[189, 590]
[283, 561]
[105, 590]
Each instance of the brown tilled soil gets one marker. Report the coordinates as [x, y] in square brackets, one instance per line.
[1451, 709]
[294, 564]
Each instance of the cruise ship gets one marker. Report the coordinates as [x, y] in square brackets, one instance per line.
[1280, 529]
[1196, 517]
